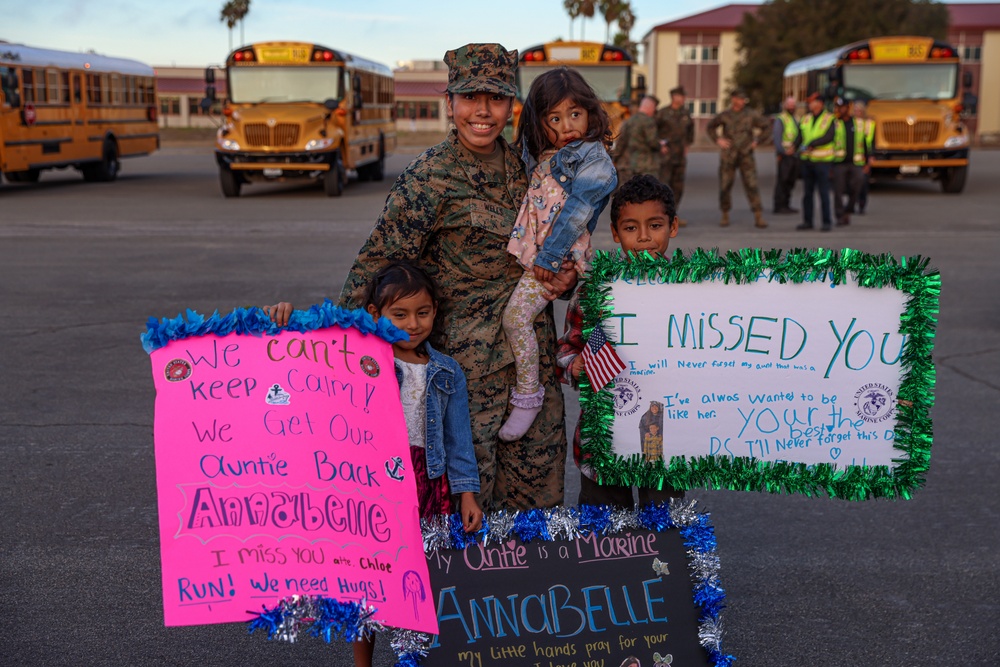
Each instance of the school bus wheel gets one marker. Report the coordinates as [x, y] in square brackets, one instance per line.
[333, 180]
[105, 169]
[953, 180]
[230, 182]
[26, 176]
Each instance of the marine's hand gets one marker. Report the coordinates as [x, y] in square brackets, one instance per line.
[472, 514]
[724, 143]
[279, 313]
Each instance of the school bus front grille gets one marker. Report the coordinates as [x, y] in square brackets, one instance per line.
[282, 134]
[901, 132]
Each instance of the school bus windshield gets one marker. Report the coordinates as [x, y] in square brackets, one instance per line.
[609, 82]
[923, 81]
[251, 85]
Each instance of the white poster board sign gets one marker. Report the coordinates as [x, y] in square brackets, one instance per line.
[807, 373]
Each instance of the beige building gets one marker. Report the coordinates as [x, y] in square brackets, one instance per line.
[180, 91]
[699, 52]
[420, 104]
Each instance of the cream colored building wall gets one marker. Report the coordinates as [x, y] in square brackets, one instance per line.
[729, 57]
[989, 84]
[663, 62]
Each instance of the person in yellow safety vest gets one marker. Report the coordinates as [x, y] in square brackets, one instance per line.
[816, 160]
[860, 111]
[787, 139]
[850, 158]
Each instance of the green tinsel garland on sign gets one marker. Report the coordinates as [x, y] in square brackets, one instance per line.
[913, 432]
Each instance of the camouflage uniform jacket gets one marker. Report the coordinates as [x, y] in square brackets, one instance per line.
[739, 128]
[638, 148]
[455, 217]
[676, 128]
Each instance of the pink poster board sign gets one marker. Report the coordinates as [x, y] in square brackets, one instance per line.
[282, 466]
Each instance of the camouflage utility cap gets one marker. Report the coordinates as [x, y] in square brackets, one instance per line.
[482, 68]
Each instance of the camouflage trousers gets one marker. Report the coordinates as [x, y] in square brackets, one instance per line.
[729, 162]
[672, 173]
[529, 472]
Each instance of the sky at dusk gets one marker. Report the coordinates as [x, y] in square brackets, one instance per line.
[189, 32]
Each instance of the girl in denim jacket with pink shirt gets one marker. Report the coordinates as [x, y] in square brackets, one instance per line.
[564, 134]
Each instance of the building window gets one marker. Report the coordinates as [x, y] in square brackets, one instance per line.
[972, 54]
[690, 104]
[689, 54]
[170, 106]
[710, 54]
[707, 107]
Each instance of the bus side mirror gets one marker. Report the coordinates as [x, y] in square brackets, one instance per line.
[969, 103]
[209, 75]
[967, 79]
[331, 104]
[206, 105]
[209, 94]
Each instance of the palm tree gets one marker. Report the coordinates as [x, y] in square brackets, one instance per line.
[240, 9]
[610, 10]
[228, 16]
[587, 8]
[573, 9]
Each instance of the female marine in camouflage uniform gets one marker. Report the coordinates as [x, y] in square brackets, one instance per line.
[452, 210]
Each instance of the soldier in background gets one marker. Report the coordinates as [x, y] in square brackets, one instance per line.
[787, 139]
[637, 149]
[676, 132]
[860, 111]
[741, 129]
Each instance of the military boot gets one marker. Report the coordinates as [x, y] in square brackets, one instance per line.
[758, 220]
[724, 222]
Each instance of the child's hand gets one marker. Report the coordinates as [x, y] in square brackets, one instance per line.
[576, 367]
[542, 275]
[472, 514]
[279, 313]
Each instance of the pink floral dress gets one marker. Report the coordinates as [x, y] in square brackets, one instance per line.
[538, 214]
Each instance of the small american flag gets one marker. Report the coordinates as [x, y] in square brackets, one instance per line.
[600, 359]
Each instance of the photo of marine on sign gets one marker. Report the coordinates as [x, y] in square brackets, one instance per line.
[801, 372]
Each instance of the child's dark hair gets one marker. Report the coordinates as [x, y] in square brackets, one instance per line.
[398, 280]
[547, 91]
[639, 189]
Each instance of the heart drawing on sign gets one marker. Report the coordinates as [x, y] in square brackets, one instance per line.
[835, 453]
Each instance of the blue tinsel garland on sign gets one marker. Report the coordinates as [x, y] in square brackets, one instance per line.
[328, 618]
[254, 322]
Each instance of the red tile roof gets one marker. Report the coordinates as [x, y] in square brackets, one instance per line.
[964, 16]
[727, 17]
[184, 85]
[421, 88]
[974, 16]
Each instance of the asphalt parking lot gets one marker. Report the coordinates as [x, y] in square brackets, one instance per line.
[809, 580]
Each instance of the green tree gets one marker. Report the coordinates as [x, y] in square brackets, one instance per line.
[784, 30]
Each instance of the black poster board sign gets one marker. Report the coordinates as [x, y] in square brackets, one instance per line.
[594, 601]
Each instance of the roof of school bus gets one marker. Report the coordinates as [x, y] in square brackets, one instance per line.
[341, 56]
[19, 54]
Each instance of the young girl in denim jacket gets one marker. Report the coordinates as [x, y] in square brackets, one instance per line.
[435, 403]
[564, 134]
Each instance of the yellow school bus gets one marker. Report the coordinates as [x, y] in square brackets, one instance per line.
[298, 110]
[608, 70]
[60, 109]
[911, 86]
